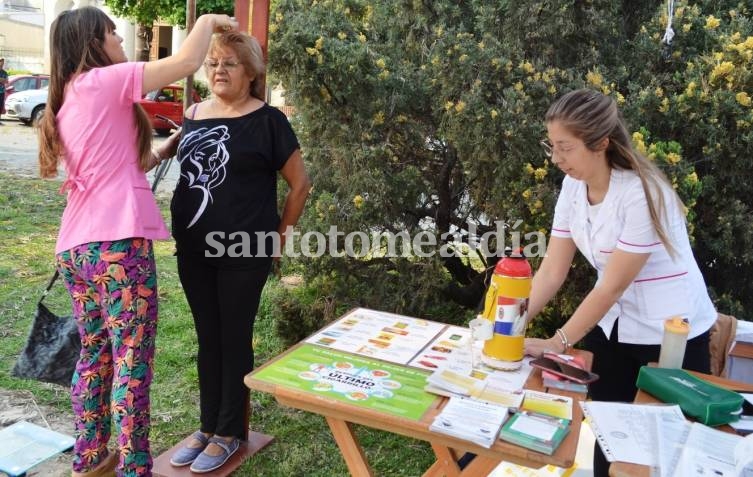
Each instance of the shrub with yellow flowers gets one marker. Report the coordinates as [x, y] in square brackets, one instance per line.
[417, 116]
[707, 79]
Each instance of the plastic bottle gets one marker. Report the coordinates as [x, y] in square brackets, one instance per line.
[673, 343]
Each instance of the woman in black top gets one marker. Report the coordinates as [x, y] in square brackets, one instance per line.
[226, 228]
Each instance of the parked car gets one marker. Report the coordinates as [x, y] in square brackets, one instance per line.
[168, 102]
[26, 106]
[18, 83]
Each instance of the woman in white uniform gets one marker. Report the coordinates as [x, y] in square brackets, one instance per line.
[620, 211]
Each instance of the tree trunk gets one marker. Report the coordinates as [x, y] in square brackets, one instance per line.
[144, 42]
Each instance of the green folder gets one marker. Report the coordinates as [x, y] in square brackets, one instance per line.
[706, 402]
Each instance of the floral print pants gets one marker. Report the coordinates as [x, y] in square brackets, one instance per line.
[113, 286]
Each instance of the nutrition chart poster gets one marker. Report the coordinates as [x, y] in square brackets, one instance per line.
[452, 345]
[358, 380]
[376, 334]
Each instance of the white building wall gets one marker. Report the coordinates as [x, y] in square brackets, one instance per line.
[52, 8]
[21, 41]
[179, 36]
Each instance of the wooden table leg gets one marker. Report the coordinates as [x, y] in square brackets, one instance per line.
[446, 464]
[350, 448]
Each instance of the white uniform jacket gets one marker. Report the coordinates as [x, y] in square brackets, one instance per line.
[664, 287]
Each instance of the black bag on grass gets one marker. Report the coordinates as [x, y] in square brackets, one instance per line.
[53, 347]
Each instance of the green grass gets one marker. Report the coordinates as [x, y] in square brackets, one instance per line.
[29, 216]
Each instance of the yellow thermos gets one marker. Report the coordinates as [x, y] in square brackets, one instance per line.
[506, 306]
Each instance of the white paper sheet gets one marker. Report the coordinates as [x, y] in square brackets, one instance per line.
[744, 457]
[472, 420]
[708, 452]
[535, 427]
[626, 432]
[671, 434]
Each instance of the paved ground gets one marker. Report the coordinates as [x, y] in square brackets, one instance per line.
[19, 149]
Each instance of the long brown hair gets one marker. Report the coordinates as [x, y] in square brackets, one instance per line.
[77, 45]
[592, 116]
[250, 55]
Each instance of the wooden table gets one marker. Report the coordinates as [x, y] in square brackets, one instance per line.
[341, 416]
[624, 469]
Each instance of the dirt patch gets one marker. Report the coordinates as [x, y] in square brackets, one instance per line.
[291, 281]
[18, 406]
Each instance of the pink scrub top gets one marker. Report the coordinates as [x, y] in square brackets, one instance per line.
[109, 197]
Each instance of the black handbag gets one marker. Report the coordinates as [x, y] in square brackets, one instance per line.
[53, 347]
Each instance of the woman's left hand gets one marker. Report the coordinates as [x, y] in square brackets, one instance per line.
[536, 347]
[170, 145]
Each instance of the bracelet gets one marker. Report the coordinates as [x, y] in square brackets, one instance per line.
[563, 338]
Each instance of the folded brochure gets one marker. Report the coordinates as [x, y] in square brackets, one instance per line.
[471, 420]
[449, 383]
[550, 404]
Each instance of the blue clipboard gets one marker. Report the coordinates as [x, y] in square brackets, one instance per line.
[24, 445]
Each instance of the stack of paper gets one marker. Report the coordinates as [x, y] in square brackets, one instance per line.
[448, 380]
[628, 432]
[659, 436]
[708, 451]
[478, 386]
[535, 431]
[549, 404]
[542, 422]
[471, 420]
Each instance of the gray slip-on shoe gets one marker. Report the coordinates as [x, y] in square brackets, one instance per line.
[206, 463]
[186, 455]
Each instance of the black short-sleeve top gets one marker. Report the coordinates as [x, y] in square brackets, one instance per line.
[228, 178]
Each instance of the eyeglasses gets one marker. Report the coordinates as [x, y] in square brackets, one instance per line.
[215, 64]
[548, 148]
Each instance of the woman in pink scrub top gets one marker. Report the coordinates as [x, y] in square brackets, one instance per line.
[95, 127]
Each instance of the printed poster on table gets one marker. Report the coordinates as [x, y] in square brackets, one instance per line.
[357, 380]
[451, 345]
[385, 336]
